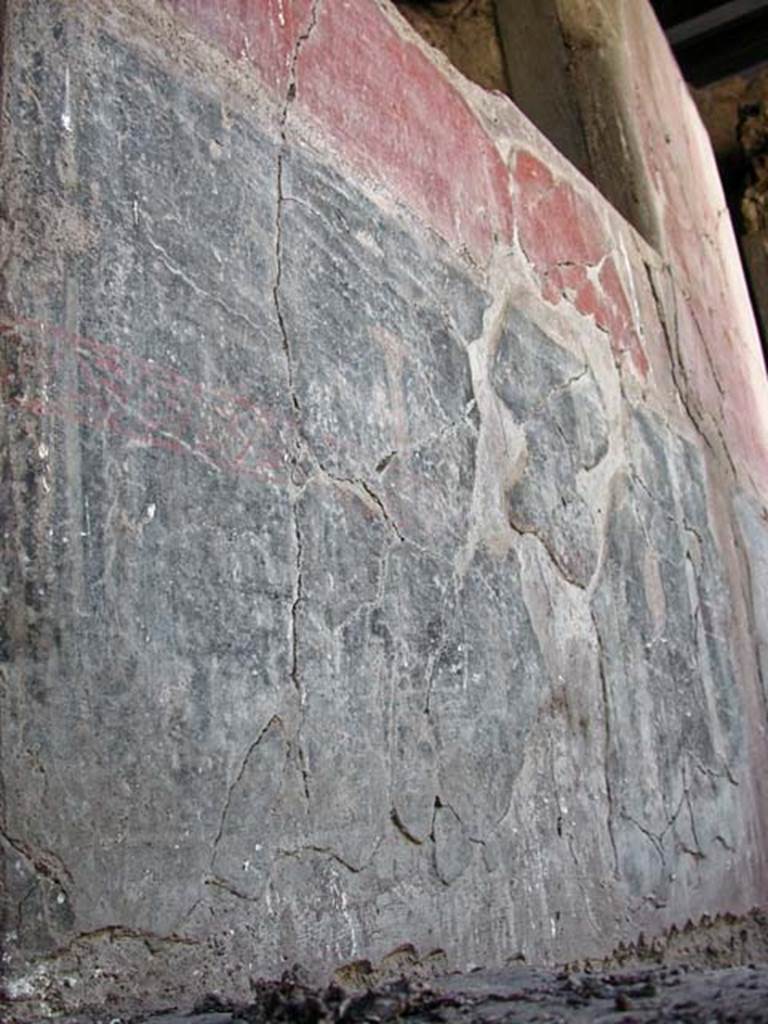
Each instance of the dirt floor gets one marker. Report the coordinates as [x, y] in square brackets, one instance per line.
[714, 971]
[516, 994]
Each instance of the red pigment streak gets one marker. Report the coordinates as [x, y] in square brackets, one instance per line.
[150, 404]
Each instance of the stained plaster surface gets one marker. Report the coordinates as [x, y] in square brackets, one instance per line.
[353, 595]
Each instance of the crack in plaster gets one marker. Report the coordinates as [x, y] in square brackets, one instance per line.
[610, 810]
[441, 804]
[216, 882]
[681, 524]
[694, 580]
[707, 353]
[536, 412]
[363, 490]
[401, 828]
[668, 330]
[274, 720]
[698, 853]
[726, 774]
[677, 366]
[685, 799]
[680, 382]
[748, 592]
[561, 570]
[363, 486]
[436, 655]
[657, 839]
[382, 464]
[44, 862]
[302, 442]
[726, 450]
[724, 843]
[558, 389]
[295, 672]
[425, 442]
[298, 594]
[281, 199]
[654, 840]
[113, 933]
[331, 854]
[360, 487]
[174, 269]
[372, 603]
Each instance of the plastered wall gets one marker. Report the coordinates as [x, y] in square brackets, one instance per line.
[383, 518]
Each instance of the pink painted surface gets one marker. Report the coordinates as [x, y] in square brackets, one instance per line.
[563, 236]
[399, 121]
[262, 32]
[381, 105]
[556, 225]
[719, 344]
[379, 101]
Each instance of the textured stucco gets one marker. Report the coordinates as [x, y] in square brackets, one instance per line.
[374, 571]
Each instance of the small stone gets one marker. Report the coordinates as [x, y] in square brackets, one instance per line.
[623, 1002]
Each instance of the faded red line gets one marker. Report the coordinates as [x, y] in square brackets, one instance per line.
[169, 411]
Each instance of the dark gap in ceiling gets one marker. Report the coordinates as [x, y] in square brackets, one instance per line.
[712, 40]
